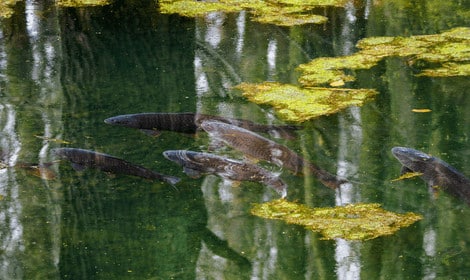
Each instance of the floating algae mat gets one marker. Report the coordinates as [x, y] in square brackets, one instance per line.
[440, 55]
[353, 222]
[6, 8]
[300, 104]
[282, 12]
[82, 3]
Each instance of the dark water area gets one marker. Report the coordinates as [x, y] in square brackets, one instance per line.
[64, 70]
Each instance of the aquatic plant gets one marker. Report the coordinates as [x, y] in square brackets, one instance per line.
[449, 51]
[360, 221]
[442, 55]
[82, 3]
[283, 12]
[299, 104]
[6, 8]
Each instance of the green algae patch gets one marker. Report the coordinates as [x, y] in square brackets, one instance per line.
[328, 70]
[82, 3]
[283, 12]
[301, 104]
[190, 8]
[360, 221]
[6, 8]
[443, 55]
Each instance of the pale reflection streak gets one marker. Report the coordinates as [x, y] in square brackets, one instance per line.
[11, 233]
[241, 21]
[271, 57]
[429, 245]
[265, 261]
[208, 264]
[45, 50]
[347, 253]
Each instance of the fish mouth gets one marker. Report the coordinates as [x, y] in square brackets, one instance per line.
[120, 120]
[173, 155]
[111, 120]
[210, 126]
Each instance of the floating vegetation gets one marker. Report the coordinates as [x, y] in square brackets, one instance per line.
[421, 110]
[55, 140]
[408, 175]
[6, 8]
[300, 104]
[283, 12]
[82, 3]
[446, 54]
[353, 222]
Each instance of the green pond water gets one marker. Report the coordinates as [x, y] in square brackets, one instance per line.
[64, 70]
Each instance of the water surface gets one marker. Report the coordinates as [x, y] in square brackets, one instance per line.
[63, 71]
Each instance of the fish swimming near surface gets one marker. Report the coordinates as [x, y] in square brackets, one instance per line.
[82, 159]
[435, 172]
[197, 163]
[257, 146]
[153, 123]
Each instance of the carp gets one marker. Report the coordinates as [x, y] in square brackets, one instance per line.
[82, 159]
[188, 123]
[259, 147]
[435, 172]
[197, 163]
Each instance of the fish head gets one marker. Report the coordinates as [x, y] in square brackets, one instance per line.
[412, 159]
[75, 156]
[123, 120]
[212, 127]
[60, 152]
[177, 156]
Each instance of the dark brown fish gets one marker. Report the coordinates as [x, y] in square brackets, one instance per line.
[435, 172]
[195, 164]
[85, 158]
[154, 123]
[259, 147]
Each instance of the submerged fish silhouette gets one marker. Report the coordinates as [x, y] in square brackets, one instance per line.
[435, 172]
[81, 159]
[196, 163]
[259, 147]
[153, 123]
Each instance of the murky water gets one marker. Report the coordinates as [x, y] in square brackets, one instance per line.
[63, 71]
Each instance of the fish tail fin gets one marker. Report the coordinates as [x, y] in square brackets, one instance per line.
[278, 185]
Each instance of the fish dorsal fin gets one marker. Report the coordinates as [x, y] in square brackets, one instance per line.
[151, 132]
[78, 167]
[193, 173]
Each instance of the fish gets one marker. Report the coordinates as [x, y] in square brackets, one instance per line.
[82, 159]
[434, 171]
[259, 147]
[196, 164]
[188, 123]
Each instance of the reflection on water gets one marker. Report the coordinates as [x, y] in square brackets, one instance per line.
[64, 71]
